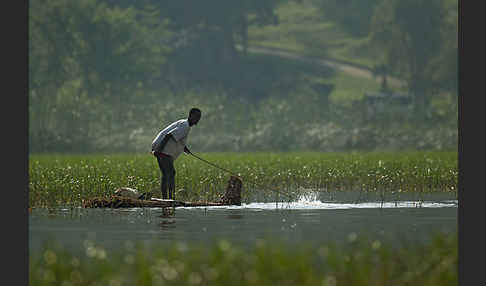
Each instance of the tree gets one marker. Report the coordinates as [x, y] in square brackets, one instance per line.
[443, 68]
[206, 34]
[90, 41]
[352, 15]
[80, 49]
[382, 70]
[408, 34]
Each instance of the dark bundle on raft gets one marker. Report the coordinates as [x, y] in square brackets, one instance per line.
[232, 196]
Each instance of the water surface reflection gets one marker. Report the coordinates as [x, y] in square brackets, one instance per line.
[297, 222]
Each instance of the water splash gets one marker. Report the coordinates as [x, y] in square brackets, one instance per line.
[310, 200]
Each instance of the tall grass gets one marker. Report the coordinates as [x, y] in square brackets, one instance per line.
[66, 180]
[357, 261]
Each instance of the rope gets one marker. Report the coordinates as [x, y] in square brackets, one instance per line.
[232, 173]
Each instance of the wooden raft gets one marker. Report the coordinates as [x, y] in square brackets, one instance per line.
[232, 196]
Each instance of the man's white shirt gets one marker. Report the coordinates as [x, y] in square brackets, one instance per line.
[179, 130]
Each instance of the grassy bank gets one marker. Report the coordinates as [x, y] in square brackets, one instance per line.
[357, 261]
[67, 179]
[304, 29]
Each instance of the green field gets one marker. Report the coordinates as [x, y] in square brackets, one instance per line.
[67, 179]
[303, 28]
[357, 261]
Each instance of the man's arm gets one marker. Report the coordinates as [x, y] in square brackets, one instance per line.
[162, 144]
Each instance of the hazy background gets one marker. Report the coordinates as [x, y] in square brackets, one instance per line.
[107, 75]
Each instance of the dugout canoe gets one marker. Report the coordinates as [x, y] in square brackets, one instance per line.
[232, 196]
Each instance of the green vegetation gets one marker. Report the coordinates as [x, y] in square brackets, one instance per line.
[157, 61]
[413, 40]
[303, 28]
[372, 33]
[106, 75]
[358, 261]
[66, 180]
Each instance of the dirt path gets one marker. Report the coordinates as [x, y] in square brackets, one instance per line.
[346, 68]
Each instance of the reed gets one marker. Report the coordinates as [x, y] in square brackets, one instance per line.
[357, 261]
[68, 179]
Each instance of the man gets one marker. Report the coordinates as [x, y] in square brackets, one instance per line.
[168, 145]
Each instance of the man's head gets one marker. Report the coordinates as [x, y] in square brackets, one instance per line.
[194, 116]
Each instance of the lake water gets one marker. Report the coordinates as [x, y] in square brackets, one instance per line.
[311, 219]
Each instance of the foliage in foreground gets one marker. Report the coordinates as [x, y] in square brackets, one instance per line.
[66, 180]
[357, 262]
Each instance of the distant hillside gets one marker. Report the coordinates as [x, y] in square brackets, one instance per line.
[305, 29]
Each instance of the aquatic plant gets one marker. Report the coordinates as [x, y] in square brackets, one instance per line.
[357, 261]
[68, 179]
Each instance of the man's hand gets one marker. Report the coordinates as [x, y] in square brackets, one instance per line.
[187, 150]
